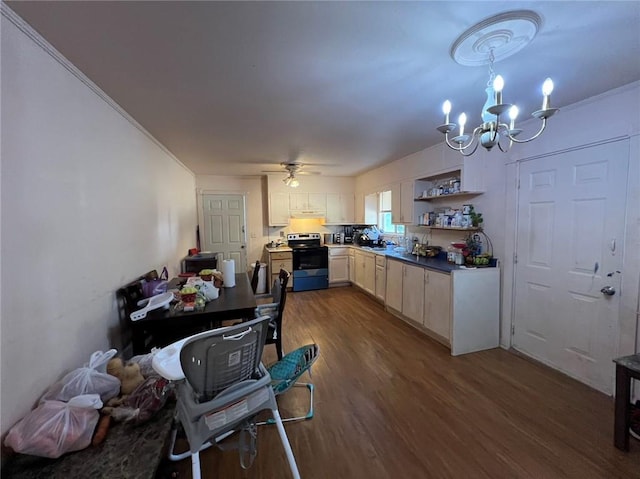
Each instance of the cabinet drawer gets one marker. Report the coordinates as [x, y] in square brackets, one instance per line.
[340, 251]
[380, 260]
[276, 266]
[282, 255]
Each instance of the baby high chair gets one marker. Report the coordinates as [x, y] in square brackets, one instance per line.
[222, 385]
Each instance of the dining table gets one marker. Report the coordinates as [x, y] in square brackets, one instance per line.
[168, 325]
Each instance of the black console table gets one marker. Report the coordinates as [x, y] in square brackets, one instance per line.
[128, 452]
[627, 368]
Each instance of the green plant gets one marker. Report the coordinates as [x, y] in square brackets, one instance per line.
[476, 218]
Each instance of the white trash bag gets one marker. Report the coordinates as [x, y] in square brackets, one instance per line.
[55, 427]
[90, 379]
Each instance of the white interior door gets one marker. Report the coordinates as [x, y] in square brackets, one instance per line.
[224, 228]
[571, 211]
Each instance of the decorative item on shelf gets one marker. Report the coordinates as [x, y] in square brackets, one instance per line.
[501, 36]
[473, 253]
[476, 218]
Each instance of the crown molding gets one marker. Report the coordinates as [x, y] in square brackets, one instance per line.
[25, 28]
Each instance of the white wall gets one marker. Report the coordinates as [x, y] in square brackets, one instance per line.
[89, 202]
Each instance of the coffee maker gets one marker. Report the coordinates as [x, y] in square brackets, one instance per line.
[348, 235]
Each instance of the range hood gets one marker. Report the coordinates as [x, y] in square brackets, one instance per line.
[307, 213]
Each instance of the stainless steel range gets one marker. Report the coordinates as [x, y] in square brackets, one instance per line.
[310, 261]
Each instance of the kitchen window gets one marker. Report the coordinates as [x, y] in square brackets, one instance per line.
[384, 215]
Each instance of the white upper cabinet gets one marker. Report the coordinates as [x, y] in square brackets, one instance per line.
[278, 209]
[308, 201]
[402, 195]
[366, 209]
[340, 209]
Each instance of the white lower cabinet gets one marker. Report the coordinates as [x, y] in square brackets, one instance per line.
[352, 266]
[393, 289]
[338, 265]
[460, 309]
[365, 266]
[437, 303]
[381, 275]
[413, 293]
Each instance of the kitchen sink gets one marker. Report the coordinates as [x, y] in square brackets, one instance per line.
[374, 248]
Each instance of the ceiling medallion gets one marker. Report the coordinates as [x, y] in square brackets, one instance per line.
[489, 41]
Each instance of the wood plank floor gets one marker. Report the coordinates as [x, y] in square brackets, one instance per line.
[392, 403]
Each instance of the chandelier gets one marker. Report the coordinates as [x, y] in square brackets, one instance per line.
[495, 38]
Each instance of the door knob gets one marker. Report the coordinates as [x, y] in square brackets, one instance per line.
[608, 290]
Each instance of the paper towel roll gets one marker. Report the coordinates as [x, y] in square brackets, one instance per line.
[229, 273]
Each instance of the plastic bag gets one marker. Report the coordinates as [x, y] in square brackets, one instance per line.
[152, 287]
[147, 399]
[55, 427]
[91, 379]
[144, 361]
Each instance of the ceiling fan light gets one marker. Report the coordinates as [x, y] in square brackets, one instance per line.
[294, 183]
[287, 180]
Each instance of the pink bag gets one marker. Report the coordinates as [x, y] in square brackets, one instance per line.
[55, 427]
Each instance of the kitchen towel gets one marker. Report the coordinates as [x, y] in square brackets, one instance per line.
[229, 273]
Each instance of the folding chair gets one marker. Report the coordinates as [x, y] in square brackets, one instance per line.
[286, 372]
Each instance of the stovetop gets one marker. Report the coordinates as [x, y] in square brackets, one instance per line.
[303, 240]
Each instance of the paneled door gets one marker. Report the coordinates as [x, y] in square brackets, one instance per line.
[224, 228]
[571, 210]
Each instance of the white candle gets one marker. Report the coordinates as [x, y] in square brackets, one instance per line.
[462, 119]
[513, 114]
[547, 88]
[446, 109]
[498, 85]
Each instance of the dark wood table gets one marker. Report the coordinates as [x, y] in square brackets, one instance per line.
[167, 326]
[627, 367]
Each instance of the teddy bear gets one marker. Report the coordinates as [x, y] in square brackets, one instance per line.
[130, 378]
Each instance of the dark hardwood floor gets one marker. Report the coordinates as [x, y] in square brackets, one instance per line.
[392, 403]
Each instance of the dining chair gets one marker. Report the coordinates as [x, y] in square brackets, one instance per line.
[254, 278]
[275, 310]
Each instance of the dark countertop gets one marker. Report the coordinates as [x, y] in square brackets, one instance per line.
[128, 452]
[438, 263]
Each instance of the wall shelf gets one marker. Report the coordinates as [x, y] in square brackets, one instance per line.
[462, 194]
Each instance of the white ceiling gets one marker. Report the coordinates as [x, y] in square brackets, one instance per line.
[230, 87]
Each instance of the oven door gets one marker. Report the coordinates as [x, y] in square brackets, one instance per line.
[310, 258]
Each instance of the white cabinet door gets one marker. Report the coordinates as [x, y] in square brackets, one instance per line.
[298, 201]
[371, 209]
[413, 293]
[359, 269]
[278, 209]
[317, 201]
[308, 201]
[359, 209]
[393, 289]
[380, 282]
[340, 209]
[402, 203]
[369, 278]
[406, 201]
[396, 204]
[437, 299]
[352, 268]
[338, 269]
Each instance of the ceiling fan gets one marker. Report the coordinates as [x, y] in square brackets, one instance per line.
[293, 169]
